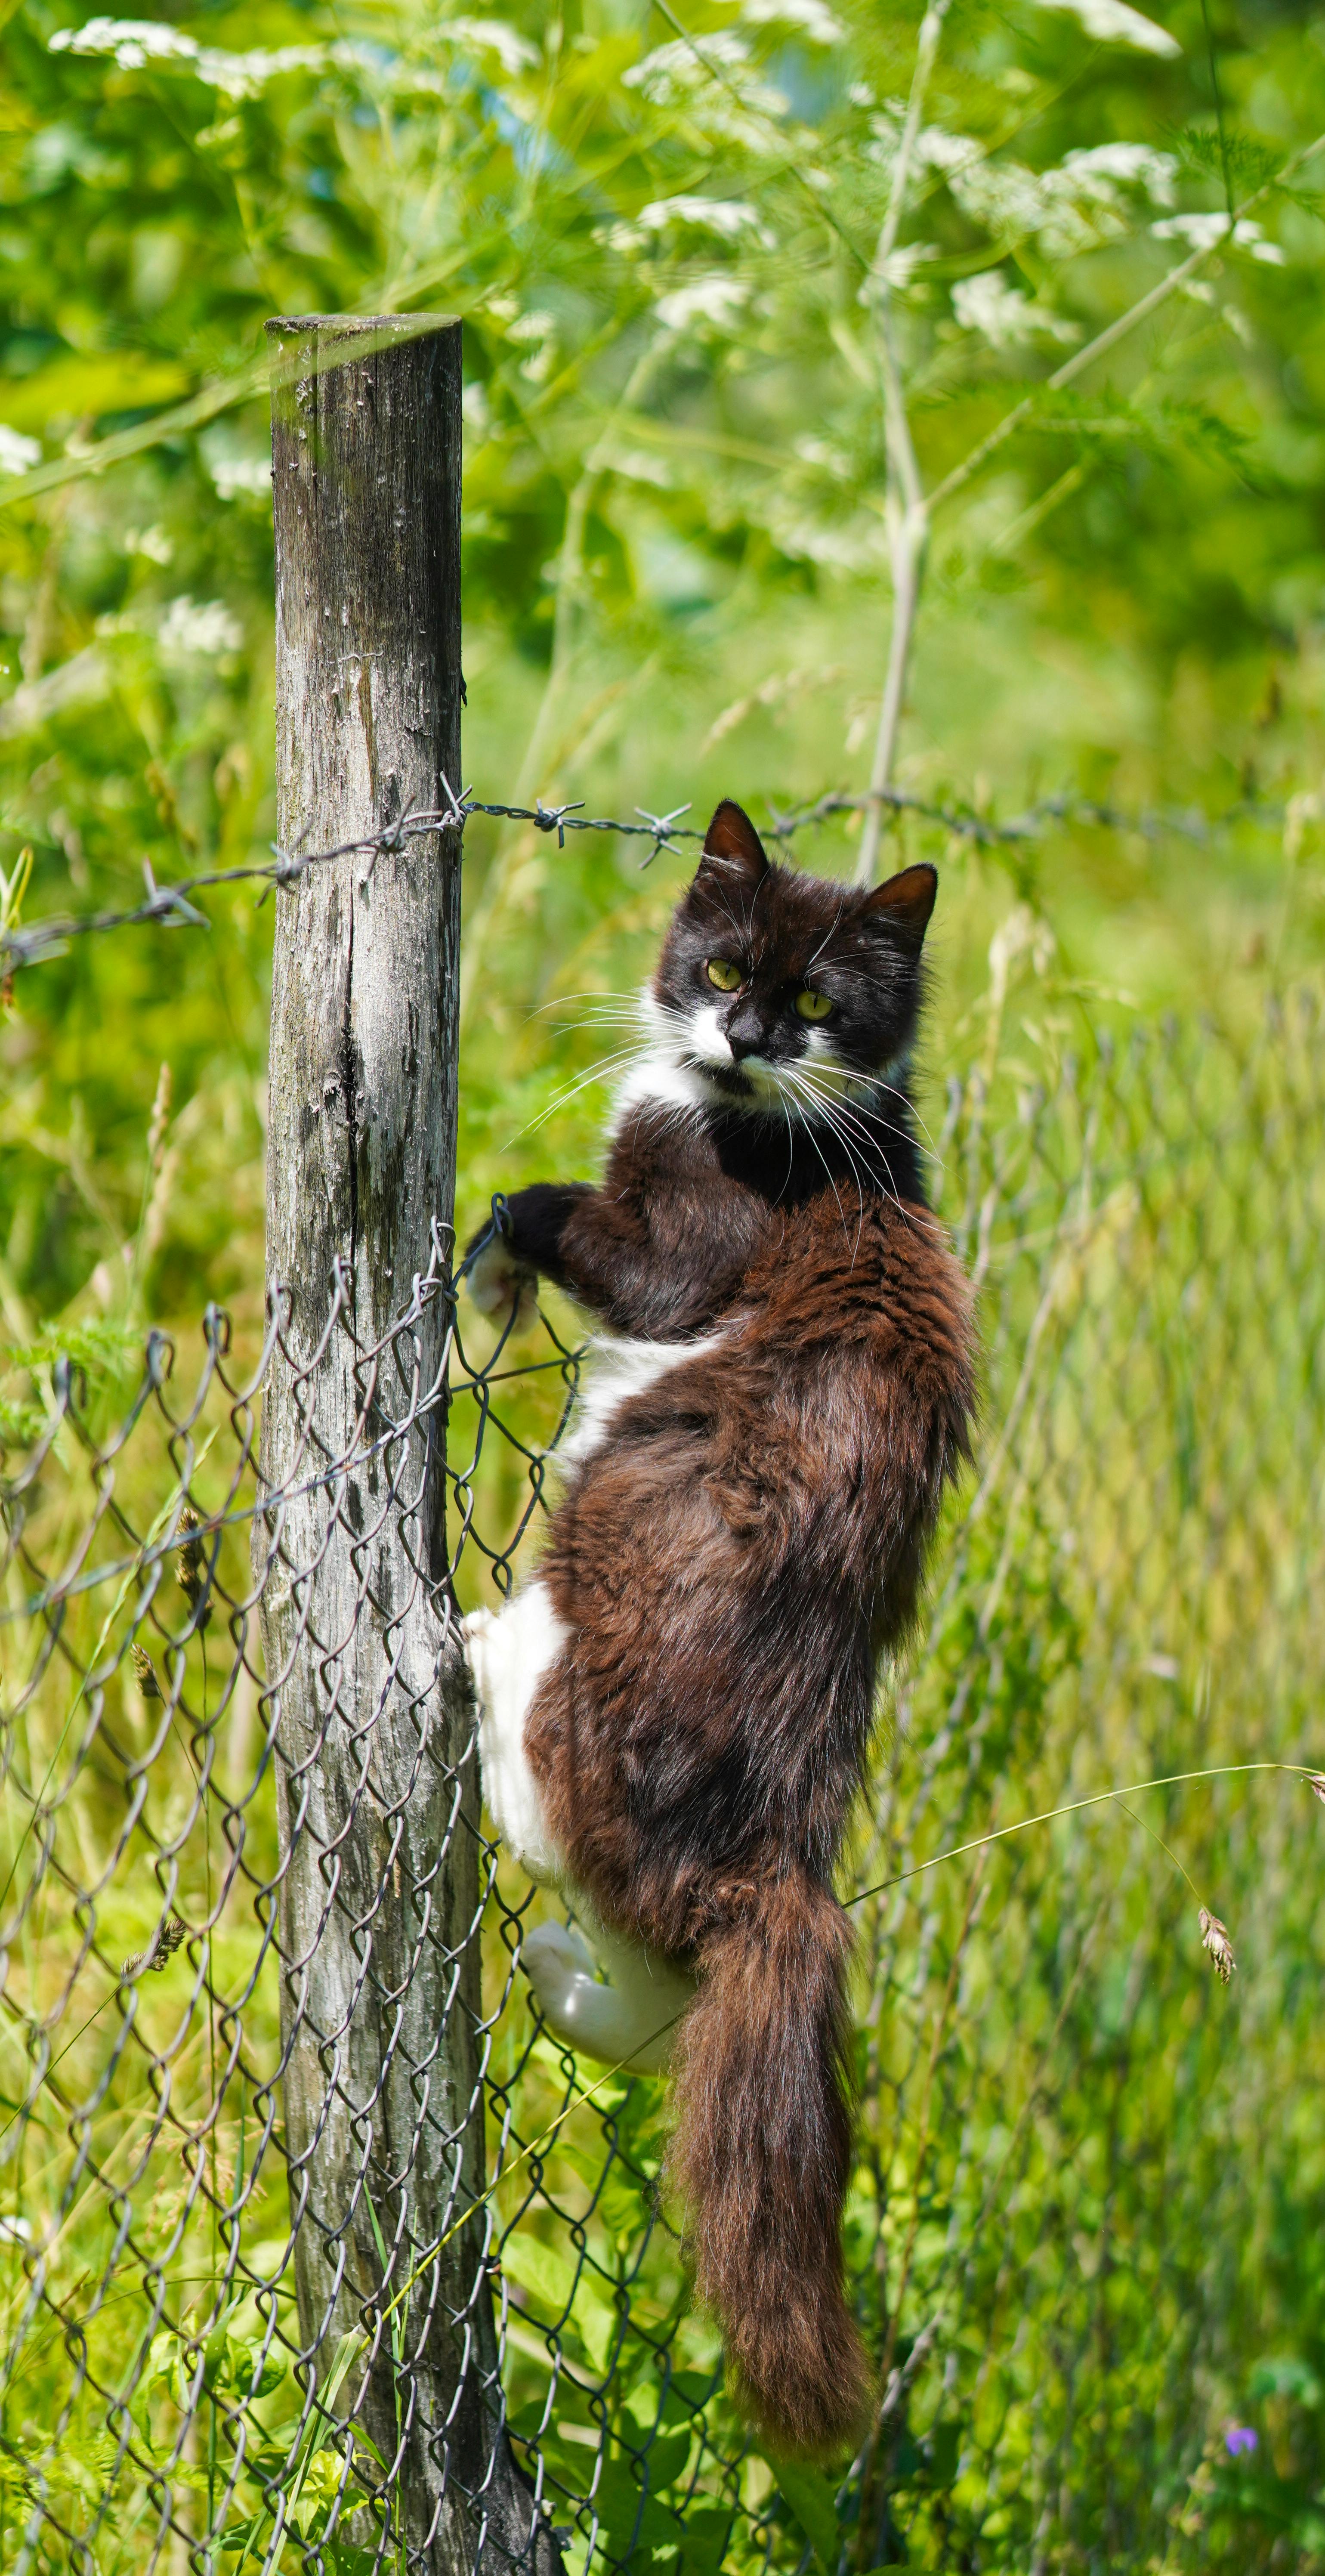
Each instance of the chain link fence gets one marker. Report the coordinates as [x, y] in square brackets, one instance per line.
[1075, 2145]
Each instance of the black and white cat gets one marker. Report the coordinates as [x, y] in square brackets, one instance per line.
[676, 1711]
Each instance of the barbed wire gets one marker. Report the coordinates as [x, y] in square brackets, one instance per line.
[173, 906]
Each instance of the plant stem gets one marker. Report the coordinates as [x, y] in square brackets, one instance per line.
[1098, 1797]
[910, 510]
[908, 514]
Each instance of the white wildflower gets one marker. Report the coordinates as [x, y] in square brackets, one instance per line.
[152, 542]
[1070, 208]
[941, 150]
[673, 67]
[538, 333]
[135, 43]
[18, 454]
[717, 300]
[248, 477]
[726, 217]
[1003, 315]
[856, 545]
[674, 76]
[205, 627]
[1203, 232]
[1137, 165]
[1009, 200]
[809, 16]
[531, 326]
[491, 35]
[132, 41]
[1111, 22]
[635, 466]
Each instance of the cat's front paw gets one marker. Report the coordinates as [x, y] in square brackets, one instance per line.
[477, 1629]
[498, 1281]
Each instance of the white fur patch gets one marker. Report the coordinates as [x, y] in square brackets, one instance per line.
[669, 1075]
[685, 1051]
[705, 1039]
[615, 1370]
[509, 1652]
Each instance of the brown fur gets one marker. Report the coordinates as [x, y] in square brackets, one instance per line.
[731, 1562]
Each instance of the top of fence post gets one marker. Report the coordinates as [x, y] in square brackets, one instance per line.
[361, 1121]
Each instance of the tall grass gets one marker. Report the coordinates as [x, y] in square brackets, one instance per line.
[1083, 2223]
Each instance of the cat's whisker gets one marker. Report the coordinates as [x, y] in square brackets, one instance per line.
[831, 1182]
[787, 1079]
[882, 1178]
[599, 1072]
[928, 1148]
[854, 1114]
[854, 1083]
[619, 1021]
[558, 999]
[854, 1118]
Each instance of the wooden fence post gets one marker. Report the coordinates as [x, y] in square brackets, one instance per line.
[376, 1781]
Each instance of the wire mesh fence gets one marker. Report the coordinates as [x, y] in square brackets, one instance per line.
[480, 2351]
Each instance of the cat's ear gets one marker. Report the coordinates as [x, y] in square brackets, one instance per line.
[904, 903]
[733, 852]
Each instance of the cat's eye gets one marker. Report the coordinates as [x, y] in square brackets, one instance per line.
[722, 972]
[813, 1006]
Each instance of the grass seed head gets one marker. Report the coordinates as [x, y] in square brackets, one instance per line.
[1214, 1938]
[1316, 1783]
[151, 1962]
[190, 1572]
[145, 1670]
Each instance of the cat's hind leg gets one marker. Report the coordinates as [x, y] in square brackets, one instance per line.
[631, 2021]
[509, 1651]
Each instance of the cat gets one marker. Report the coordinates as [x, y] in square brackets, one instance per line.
[676, 1712]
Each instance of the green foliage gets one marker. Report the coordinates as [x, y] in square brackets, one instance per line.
[676, 584]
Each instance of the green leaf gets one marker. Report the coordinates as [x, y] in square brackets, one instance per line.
[813, 2500]
[665, 2460]
[708, 2530]
[1250, 164]
[568, 2296]
[942, 2452]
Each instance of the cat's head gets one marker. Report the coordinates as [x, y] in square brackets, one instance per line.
[773, 986]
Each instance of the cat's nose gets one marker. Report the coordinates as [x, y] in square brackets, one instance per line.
[744, 1035]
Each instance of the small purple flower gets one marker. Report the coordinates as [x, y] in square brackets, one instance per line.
[1240, 2440]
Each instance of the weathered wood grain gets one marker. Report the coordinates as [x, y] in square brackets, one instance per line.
[376, 1775]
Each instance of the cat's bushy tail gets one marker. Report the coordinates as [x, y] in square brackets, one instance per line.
[761, 2158]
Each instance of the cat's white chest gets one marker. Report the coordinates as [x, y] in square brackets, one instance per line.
[613, 1369]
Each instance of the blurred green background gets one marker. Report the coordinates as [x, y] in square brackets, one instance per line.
[675, 557]
[659, 235]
